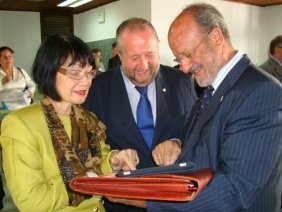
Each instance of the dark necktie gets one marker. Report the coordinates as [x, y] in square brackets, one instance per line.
[205, 99]
[145, 120]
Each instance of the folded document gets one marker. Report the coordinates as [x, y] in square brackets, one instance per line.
[165, 187]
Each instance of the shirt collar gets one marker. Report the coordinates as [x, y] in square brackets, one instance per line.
[225, 70]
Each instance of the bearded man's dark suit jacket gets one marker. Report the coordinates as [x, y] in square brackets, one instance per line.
[108, 99]
[238, 135]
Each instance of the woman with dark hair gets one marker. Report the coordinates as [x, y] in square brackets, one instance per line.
[58, 140]
[16, 86]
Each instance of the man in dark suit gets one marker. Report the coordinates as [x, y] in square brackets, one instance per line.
[114, 98]
[114, 61]
[238, 131]
[273, 65]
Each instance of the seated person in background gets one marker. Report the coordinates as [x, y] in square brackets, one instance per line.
[16, 87]
[58, 140]
[114, 61]
[97, 53]
[273, 65]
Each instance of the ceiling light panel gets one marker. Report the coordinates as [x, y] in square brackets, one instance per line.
[73, 3]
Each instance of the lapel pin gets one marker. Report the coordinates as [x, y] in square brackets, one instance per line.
[164, 89]
[221, 98]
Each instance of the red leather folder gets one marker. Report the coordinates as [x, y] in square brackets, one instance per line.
[166, 187]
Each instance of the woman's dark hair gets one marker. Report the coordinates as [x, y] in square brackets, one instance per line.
[52, 54]
[2, 48]
[96, 50]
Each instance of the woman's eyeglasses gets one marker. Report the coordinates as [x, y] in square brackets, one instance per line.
[77, 74]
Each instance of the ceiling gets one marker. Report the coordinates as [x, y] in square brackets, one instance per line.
[261, 3]
[51, 5]
[48, 6]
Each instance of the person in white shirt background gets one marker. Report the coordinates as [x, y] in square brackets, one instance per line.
[97, 54]
[16, 86]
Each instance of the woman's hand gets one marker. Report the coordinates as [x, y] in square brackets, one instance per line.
[30, 95]
[6, 79]
[124, 160]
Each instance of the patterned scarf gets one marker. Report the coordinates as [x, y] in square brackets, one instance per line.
[82, 153]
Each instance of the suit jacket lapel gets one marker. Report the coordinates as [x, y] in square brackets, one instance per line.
[161, 101]
[231, 78]
[190, 123]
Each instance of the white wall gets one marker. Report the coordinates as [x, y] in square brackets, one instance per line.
[242, 20]
[21, 32]
[251, 27]
[271, 26]
[86, 25]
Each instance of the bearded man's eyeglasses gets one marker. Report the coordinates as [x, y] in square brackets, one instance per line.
[188, 55]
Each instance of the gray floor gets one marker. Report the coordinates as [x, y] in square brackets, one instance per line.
[8, 203]
[9, 206]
